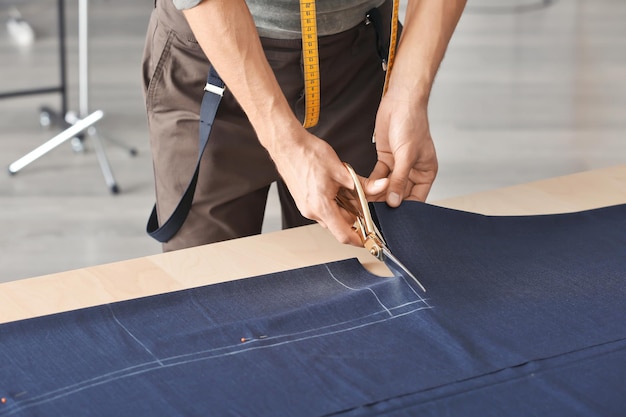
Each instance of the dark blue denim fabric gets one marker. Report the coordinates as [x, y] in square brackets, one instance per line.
[523, 316]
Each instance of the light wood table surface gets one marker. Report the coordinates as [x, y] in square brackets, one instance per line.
[280, 251]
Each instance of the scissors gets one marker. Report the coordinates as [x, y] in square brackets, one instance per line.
[366, 228]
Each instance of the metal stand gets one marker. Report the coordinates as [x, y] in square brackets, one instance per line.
[62, 87]
[85, 121]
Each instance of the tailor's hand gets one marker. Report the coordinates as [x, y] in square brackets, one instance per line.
[406, 153]
[314, 174]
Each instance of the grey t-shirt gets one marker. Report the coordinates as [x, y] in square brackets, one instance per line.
[281, 18]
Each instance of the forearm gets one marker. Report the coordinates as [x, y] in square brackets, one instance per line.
[226, 32]
[308, 165]
[428, 27]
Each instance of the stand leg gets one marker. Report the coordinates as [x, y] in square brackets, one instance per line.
[131, 150]
[46, 147]
[103, 161]
[105, 167]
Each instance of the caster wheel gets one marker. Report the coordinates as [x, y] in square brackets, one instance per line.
[45, 119]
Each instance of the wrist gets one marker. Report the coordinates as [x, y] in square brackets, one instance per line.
[411, 88]
[278, 130]
[414, 94]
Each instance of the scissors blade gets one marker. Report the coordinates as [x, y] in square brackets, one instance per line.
[400, 265]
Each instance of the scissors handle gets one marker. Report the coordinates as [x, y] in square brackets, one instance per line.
[363, 204]
[364, 224]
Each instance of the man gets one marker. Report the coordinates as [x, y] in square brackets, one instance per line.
[258, 137]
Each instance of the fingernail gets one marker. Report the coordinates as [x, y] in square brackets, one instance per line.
[394, 199]
[380, 182]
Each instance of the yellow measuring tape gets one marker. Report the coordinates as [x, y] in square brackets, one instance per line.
[393, 39]
[310, 56]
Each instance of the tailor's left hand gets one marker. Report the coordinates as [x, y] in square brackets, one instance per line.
[405, 149]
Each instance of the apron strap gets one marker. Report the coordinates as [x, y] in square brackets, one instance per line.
[213, 92]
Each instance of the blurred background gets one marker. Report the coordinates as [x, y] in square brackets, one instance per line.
[529, 89]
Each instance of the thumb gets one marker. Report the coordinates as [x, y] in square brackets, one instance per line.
[375, 187]
[397, 183]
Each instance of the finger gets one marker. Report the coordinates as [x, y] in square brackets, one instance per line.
[421, 183]
[381, 170]
[343, 177]
[348, 216]
[419, 192]
[375, 190]
[346, 235]
[339, 224]
[397, 183]
[341, 228]
[374, 185]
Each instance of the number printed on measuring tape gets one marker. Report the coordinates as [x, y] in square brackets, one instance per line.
[310, 55]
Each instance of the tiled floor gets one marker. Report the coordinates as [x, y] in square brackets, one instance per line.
[524, 93]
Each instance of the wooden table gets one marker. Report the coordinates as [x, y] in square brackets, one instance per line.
[279, 251]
